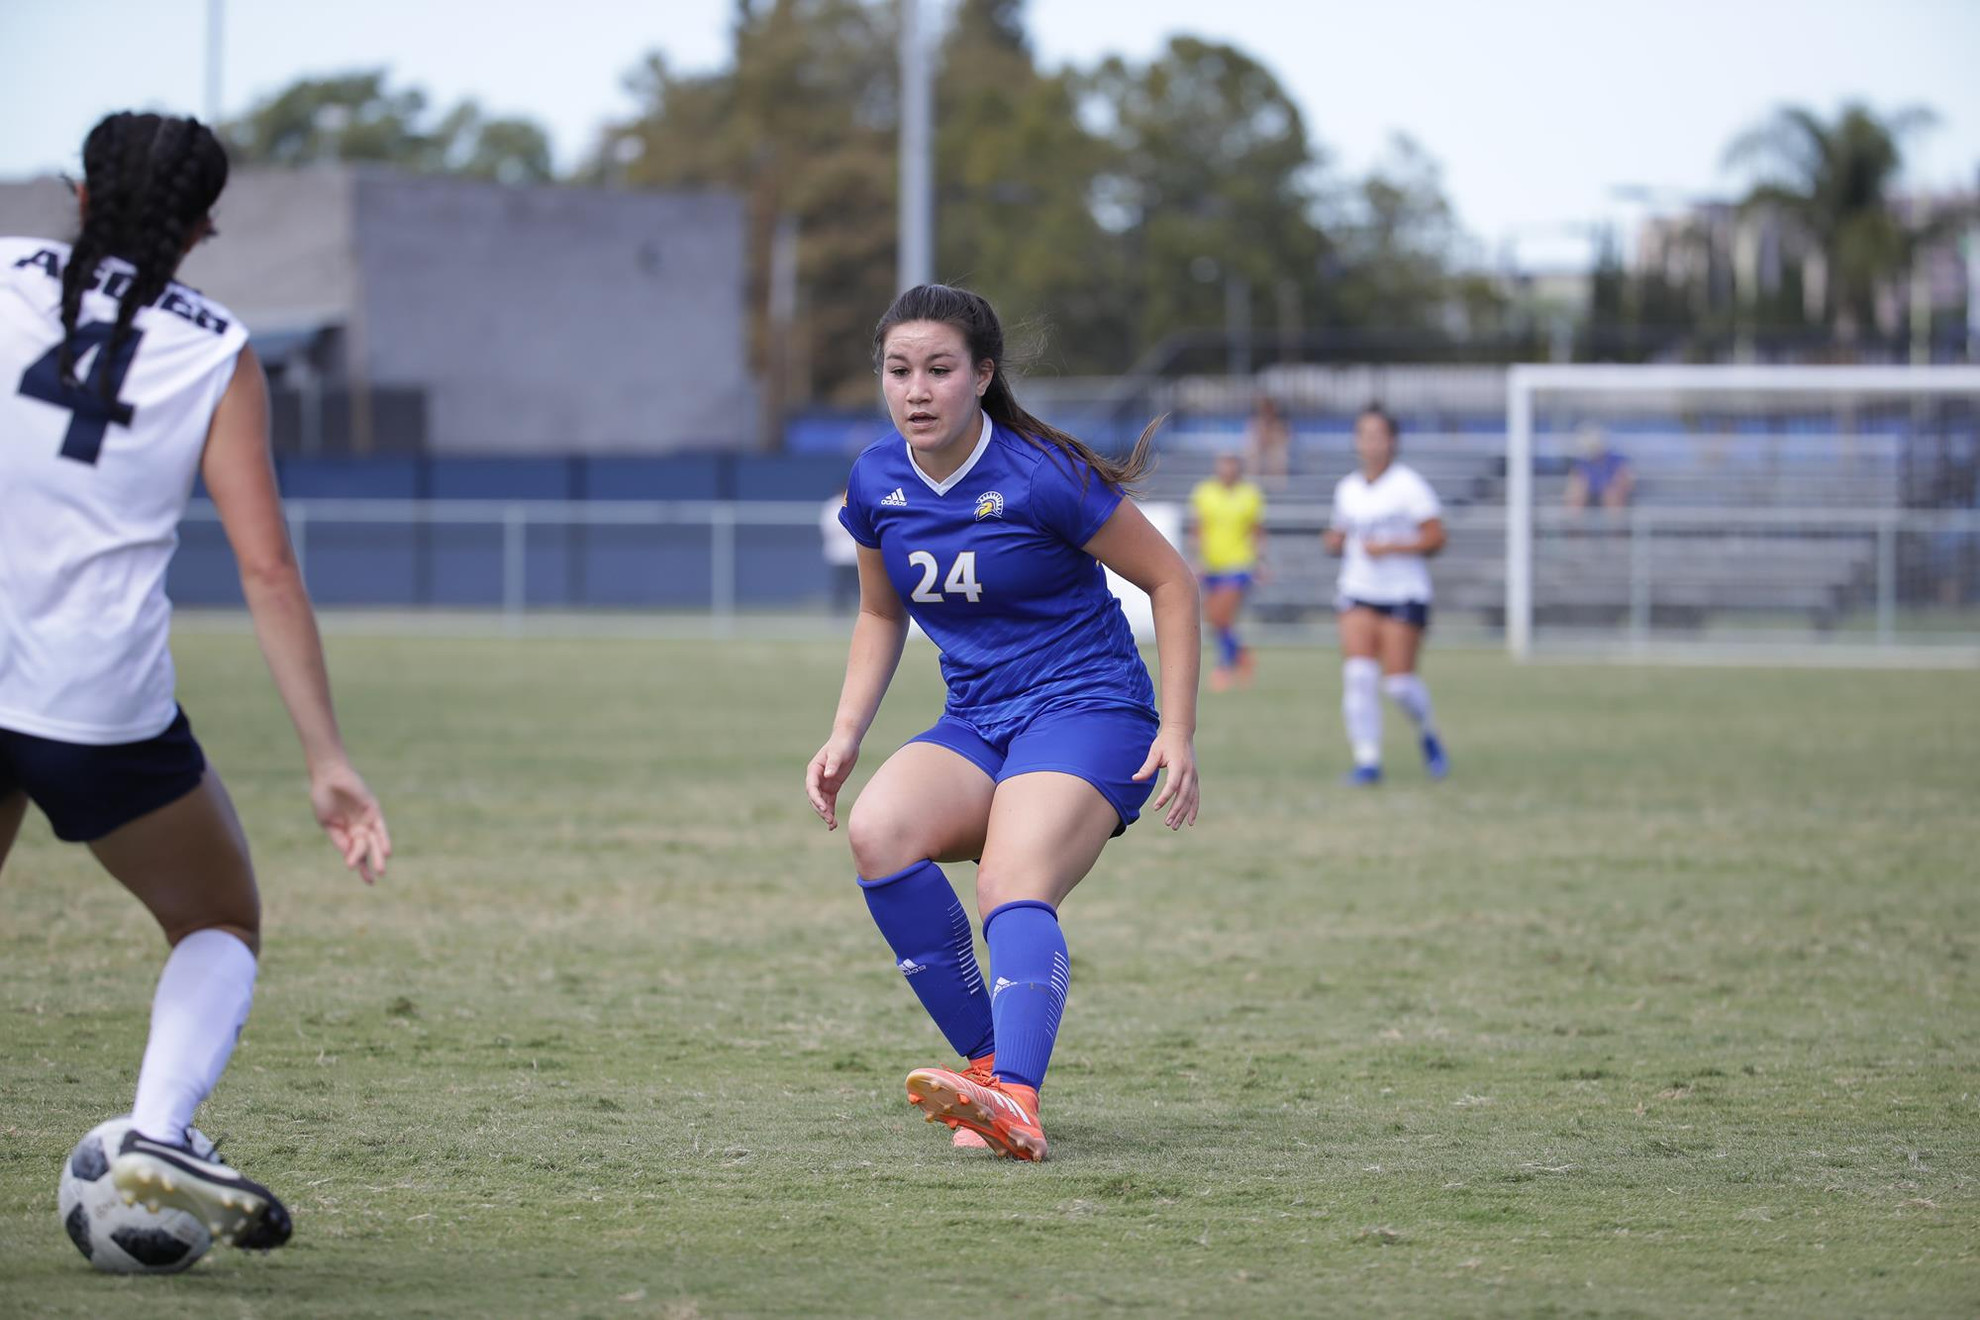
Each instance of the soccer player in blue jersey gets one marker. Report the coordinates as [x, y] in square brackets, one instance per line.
[989, 528]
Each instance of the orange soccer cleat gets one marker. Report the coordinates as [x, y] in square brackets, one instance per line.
[1003, 1114]
[982, 1071]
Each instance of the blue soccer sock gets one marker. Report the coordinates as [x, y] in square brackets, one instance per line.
[1228, 647]
[1030, 970]
[929, 933]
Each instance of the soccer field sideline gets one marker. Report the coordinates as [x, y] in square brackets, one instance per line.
[1664, 1005]
[1315, 637]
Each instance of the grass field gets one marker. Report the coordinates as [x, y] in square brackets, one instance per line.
[1667, 1004]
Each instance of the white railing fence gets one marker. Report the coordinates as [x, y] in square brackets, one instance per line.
[1808, 471]
[1625, 579]
[517, 528]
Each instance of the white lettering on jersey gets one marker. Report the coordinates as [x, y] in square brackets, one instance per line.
[94, 478]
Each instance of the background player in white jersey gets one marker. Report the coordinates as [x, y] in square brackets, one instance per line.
[1387, 523]
[120, 387]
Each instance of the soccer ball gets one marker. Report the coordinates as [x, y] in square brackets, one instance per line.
[119, 1238]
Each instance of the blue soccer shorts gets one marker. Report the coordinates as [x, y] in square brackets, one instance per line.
[1104, 745]
[1415, 613]
[86, 791]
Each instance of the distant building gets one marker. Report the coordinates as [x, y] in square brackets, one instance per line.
[1556, 302]
[1723, 256]
[403, 312]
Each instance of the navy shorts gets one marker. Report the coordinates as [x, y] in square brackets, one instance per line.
[1104, 745]
[1413, 612]
[1237, 577]
[88, 791]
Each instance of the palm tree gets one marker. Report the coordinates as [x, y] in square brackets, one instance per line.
[1834, 182]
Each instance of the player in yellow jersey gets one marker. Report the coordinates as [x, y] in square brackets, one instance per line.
[1227, 518]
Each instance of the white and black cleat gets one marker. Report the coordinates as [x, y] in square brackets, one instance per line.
[234, 1209]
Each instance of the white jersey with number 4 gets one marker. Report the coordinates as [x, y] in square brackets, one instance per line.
[91, 493]
[1391, 508]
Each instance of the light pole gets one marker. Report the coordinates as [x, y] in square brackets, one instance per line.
[215, 25]
[1237, 312]
[1237, 322]
[916, 256]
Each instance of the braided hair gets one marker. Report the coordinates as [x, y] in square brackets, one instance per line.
[971, 315]
[152, 179]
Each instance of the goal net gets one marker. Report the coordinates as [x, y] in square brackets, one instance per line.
[1668, 510]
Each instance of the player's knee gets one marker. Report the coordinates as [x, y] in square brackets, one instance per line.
[239, 915]
[249, 935]
[990, 889]
[883, 840]
[997, 885]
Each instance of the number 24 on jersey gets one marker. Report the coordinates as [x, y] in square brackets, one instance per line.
[960, 582]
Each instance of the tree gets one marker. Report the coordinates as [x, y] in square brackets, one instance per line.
[1014, 170]
[1112, 207]
[1834, 181]
[355, 117]
[1395, 236]
[1212, 181]
[1612, 333]
[803, 126]
[512, 151]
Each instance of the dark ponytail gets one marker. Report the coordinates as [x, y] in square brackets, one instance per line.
[152, 179]
[972, 316]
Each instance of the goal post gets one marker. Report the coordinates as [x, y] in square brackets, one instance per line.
[1771, 509]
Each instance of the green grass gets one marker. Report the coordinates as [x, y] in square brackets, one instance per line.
[1665, 1005]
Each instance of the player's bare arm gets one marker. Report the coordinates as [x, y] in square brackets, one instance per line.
[879, 633]
[1129, 544]
[240, 476]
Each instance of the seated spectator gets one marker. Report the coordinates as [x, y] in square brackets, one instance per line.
[1600, 477]
[1268, 444]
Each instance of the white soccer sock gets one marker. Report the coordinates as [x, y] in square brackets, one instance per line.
[196, 1016]
[1361, 709]
[1407, 691]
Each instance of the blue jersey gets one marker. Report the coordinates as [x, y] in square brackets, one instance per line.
[1601, 471]
[989, 564]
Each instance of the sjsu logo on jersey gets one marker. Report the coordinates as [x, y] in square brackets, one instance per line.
[989, 504]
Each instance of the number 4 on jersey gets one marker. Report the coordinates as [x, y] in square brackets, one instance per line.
[961, 580]
[93, 412]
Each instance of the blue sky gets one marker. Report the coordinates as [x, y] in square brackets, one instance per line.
[1537, 109]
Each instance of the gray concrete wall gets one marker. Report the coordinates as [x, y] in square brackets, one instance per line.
[557, 319]
[38, 208]
[534, 320]
[286, 256]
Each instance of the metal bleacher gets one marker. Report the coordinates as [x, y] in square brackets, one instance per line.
[1794, 527]
[1592, 569]
[1466, 470]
